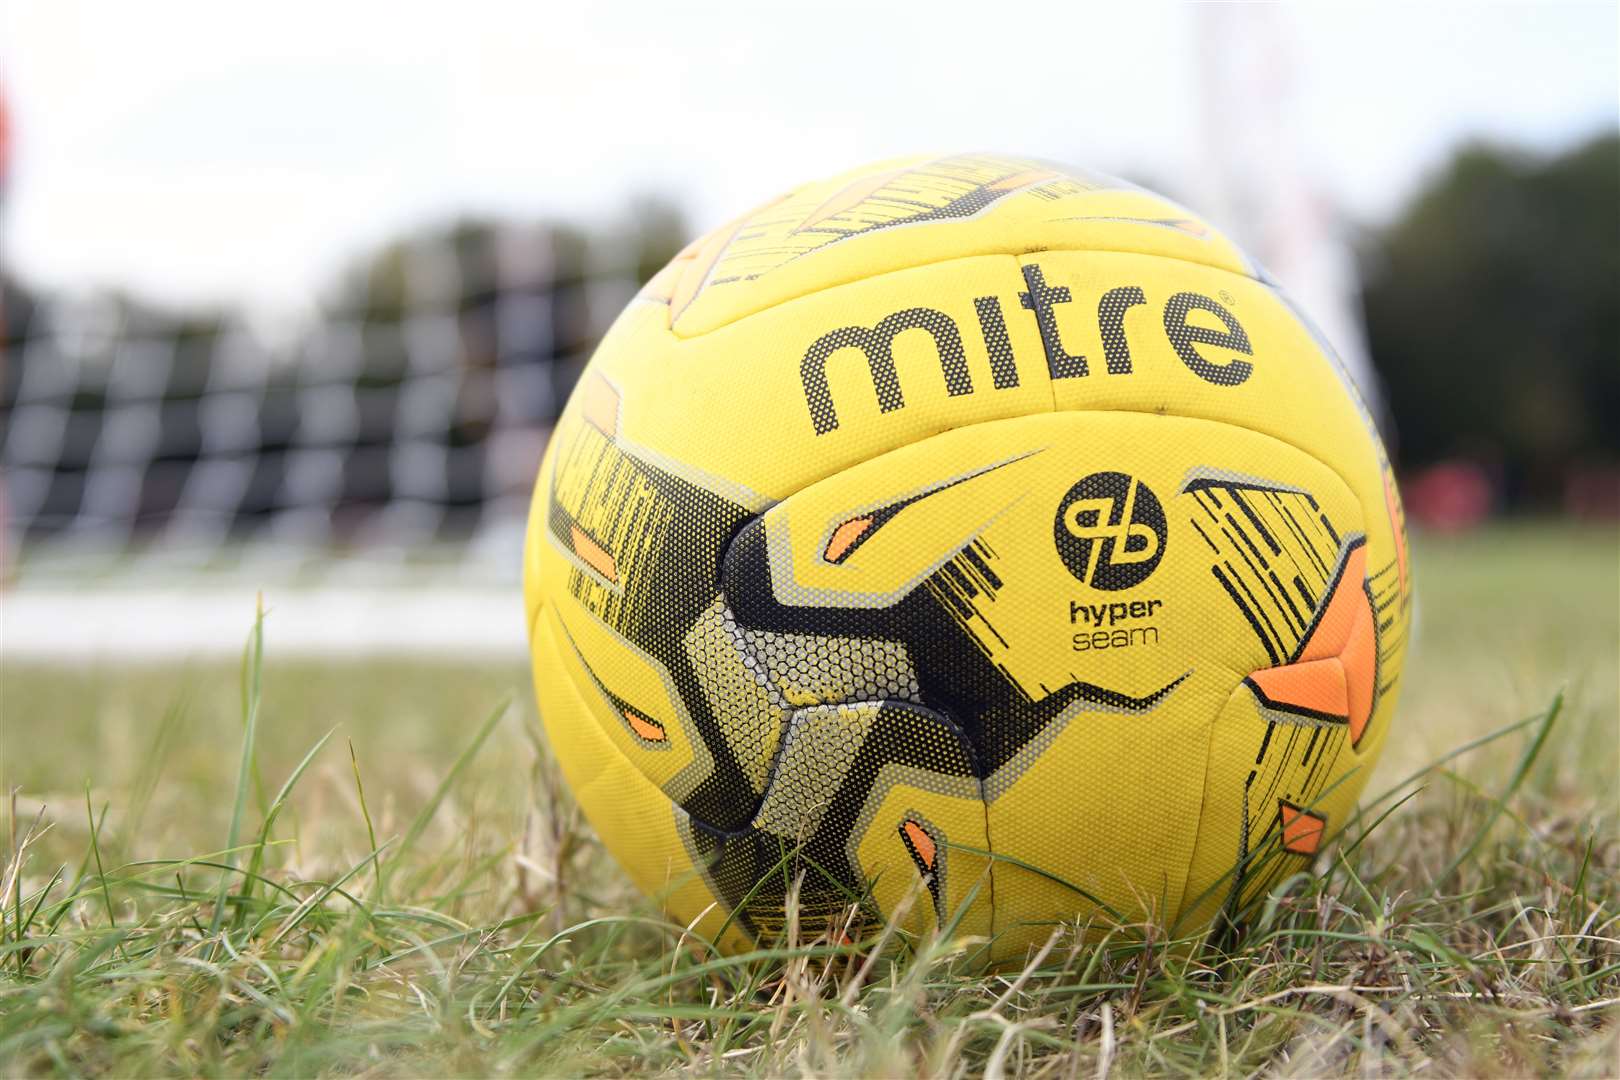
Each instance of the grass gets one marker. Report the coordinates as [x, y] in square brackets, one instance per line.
[309, 869]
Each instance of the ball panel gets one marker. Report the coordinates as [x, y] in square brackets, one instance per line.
[625, 547]
[921, 844]
[635, 820]
[1278, 788]
[633, 700]
[904, 213]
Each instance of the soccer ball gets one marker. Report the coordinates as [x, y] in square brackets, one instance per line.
[975, 542]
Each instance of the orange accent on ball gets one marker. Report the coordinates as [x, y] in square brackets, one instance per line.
[844, 537]
[650, 730]
[595, 555]
[921, 843]
[1302, 831]
[1336, 672]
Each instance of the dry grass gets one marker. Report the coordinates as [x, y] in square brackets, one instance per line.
[412, 894]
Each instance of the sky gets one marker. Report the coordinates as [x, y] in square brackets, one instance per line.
[207, 152]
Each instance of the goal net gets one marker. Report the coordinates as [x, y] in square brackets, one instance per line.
[408, 418]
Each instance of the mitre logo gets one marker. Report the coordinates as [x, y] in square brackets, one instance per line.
[1110, 531]
[876, 343]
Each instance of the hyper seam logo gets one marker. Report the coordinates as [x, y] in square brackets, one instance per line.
[1110, 531]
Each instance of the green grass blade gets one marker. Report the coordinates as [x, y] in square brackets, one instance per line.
[365, 812]
[252, 669]
[95, 849]
[423, 816]
[316, 899]
[256, 862]
[1520, 772]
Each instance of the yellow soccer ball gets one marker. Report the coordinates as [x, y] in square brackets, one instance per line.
[987, 540]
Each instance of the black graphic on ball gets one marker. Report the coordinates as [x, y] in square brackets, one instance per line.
[1110, 531]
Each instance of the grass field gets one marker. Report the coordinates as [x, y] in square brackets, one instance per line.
[392, 883]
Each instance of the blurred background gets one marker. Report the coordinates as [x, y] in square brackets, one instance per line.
[291, 297]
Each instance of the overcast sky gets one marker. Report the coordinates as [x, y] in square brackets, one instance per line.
[242, 152]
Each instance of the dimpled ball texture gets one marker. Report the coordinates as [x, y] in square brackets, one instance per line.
[982, 542]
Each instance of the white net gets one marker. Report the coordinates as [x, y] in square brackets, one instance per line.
[403, 426]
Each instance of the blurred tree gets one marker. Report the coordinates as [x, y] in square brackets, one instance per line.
[660, 232]
[1493, 314]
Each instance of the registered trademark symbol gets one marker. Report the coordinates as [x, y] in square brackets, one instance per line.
[1227, 297]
